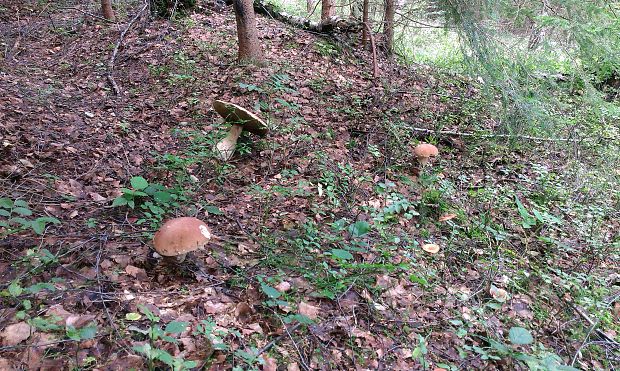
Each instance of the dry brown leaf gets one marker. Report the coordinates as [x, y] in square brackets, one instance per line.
[79, 321]
[16, 333]
[270, 364]
[136, 272]
[308, 310]
[243, 311]
[446, 217]
[498, 294]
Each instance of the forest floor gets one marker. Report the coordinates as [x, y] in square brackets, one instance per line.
[319, 261]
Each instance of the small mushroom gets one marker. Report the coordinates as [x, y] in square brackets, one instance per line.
[431, 248]
[179, 236]
[424, 152]
[240, 119]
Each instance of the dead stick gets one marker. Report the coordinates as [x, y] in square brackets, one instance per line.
[465, 134]
[375, 67]
[117, 47]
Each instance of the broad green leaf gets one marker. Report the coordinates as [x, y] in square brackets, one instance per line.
[144, 349]
[15, 289]
[39, 287]
[139, 183]
[270, 291]
[359, 228]
[72, 333]
[176, 327]
[22, 211]
[341, 254]
[214, 210]
[38, 225]
[161, 196]
[19, 220]
[119, 201]
[133, 316]
[88, 332]
[5, 213]
[520, 336]
[163, 356]
[20, 203]
[6, 203]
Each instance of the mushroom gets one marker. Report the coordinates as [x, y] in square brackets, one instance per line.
[424, 152]
[179, 236]
[240, 119]
[431, 248]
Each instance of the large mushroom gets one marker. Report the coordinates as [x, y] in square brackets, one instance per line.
[179, 236]
[424, 152]
[240, 119]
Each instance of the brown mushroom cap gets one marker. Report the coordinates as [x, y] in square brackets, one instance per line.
[425, 150]
[180, 236]
[234, 114]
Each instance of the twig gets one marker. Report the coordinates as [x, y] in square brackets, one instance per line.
[117, 47]
[375, 67]
[88, 14]
[516, 136]
[276, 340]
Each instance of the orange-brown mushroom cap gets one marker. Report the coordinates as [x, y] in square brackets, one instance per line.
[424, 151]
[237, 115]
[180, 236]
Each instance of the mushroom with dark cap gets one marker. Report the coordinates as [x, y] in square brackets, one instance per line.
[179, 236]
[424, 152]
[240, 119]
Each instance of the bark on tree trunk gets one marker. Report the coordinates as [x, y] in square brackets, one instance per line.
[249, 47]
[388, 26]
[365, 21]
[309, 6]
[328, 10]
[106, 9]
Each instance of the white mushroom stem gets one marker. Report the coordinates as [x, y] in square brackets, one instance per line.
[423, 160]
[226, 147]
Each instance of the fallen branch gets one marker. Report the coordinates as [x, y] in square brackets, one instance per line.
[477, 135]
[110, 77]
[326, 27]
[375, 66]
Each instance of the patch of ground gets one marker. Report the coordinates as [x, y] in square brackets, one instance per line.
[319, 261]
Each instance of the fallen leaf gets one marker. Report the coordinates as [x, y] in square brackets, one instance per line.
[498, 294]
[446, 217]
[16, 333]
[243, 311]
[308, 310]
[270, 364]
[136, 272]
[79, 321]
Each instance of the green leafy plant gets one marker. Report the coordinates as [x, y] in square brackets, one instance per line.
[153, 199]
[539, 360]
[16, 216]
[154, 332]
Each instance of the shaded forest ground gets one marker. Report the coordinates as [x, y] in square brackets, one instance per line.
[319, 263]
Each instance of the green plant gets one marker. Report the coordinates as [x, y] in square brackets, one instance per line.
[153, 199]
[540, 360]
[154, 332]
[325, 48]
[16, 216]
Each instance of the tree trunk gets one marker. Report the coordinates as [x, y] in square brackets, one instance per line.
[106, 9]
[365, 22]
[249, 47]
[388, 26]
[309, 6]
[328, 10]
